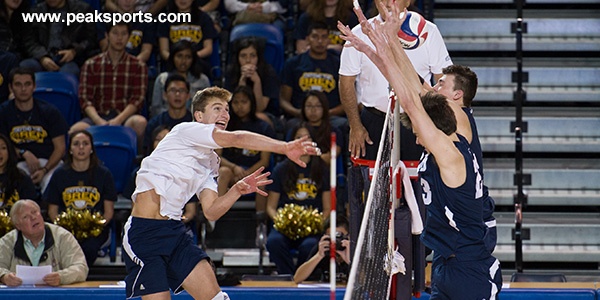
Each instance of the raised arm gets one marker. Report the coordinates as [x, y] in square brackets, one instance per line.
[398, 70]
[250, 140]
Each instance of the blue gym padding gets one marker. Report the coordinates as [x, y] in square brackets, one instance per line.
[256, 293]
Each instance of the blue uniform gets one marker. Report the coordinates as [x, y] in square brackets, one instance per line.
[488, 202]
[162, 250]
[455, 231]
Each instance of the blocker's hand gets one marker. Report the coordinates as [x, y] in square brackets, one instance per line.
[251, 183]
[296, 148]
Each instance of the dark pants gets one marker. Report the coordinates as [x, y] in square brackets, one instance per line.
[373, 121]
[91, 246]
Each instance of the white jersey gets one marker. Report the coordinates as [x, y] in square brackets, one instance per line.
[372, 87]
[183, 164]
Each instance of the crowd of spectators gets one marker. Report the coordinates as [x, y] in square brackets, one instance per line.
[115, 64]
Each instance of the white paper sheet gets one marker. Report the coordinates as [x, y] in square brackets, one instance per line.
[33, 275]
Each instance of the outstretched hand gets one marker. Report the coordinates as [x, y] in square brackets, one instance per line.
[380, 34]
[296, 148]
[251, 183]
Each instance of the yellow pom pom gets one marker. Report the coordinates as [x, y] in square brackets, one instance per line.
[295, 221]
[5, 223]
[82, 224]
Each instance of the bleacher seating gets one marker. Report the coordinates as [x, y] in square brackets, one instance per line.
[561, 144]
[116, 147]
[61, 90]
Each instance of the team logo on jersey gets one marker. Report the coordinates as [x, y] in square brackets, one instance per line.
[317, 81]
[305, 189]
[423, 162]
[188, 32]
[80, 197]
[23, 134]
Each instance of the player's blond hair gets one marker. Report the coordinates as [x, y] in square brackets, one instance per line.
[201, 99]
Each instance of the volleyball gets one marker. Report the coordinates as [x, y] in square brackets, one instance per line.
[413, 31]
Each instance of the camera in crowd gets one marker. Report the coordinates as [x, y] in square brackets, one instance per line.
[339, 236]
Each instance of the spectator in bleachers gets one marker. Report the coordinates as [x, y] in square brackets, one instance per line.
[83, 183]
[211, 7]
[35, 243]
[36, 128]
[315, 112]
[60, 47]
[14, 183]
[15, 40]
[112, 86]
[239, 163]
[316, 69]
[302, 186]
[142, 35]
[329, 12]
[200, 32]
[249, 68]
[151, 6]
[182, 61]
[176, 91]
[317, 267]
[256, 11]
[208, 6]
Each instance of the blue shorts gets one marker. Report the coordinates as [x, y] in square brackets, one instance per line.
[465, 280]
[158, 255]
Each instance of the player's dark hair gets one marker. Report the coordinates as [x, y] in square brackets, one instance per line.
[465, 80]
[439, 111]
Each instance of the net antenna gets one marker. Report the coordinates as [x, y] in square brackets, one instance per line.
[375, 259]
[332, 218]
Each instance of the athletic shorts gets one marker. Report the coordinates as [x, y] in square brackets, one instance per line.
[466, 280]
[158, 256]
